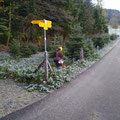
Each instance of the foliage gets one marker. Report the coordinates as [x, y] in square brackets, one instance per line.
[100, 23]
[78, 42]
[113, 37]
[14, 47]
[22, 70]
[25, 50]
[3, 30]
[73, 21]
[65, 15]
[21, 50]
[101, 40]
[73, 47]
[33, 48]
[85, 13]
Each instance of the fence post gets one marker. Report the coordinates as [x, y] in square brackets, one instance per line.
[97, 49]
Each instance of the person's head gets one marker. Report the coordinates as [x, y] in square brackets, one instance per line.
[60, 48]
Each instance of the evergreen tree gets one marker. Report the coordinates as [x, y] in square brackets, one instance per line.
[57, 12]
[100, 23]
[85, 15]
[16, 17]
[3, 30]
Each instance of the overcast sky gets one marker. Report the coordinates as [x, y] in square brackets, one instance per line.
[113, 4]
[110, 4]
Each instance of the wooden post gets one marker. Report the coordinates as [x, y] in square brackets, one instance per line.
[53, 73]
[46, 56]
[97, 49]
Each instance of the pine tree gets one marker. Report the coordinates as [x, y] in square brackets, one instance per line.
[100, 23]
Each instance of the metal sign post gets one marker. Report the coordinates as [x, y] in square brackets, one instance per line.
[44, 24]
[46, 55]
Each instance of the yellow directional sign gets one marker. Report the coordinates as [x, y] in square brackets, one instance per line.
[36, 21]
[46, 25]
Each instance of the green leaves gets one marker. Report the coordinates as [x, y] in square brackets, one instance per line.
[3, 29]
[21, 50]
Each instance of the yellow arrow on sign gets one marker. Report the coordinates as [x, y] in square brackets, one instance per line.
[41, 23]
[36, 21]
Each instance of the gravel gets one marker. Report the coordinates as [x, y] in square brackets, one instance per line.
[14, 97]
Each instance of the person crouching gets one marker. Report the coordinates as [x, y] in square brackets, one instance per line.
[58, 57]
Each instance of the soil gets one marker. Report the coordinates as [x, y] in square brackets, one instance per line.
[13, 96]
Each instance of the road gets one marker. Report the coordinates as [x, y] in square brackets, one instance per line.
[93, 95]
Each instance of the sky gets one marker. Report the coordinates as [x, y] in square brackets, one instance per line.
[110, 4]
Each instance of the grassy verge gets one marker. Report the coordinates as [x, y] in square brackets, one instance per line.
[22, 70]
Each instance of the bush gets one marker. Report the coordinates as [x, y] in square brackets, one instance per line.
[21, 50]
[89, 49]
[14, 47]
[73, 47]
[113, 37]
[25, 51]
[33, 48]
[101, 40]
[76, 43]
[106, 39]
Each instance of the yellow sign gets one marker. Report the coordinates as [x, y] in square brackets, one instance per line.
[36, 21]
[46, 25]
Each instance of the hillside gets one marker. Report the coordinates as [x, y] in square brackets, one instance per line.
[113, 17]
[64, 14]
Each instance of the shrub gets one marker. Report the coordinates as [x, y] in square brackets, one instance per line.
[52, 47]
[89, 50]
[106, 39]
[76, 43]
[113, 37]
[21, 50]
[101, 40]
[14, 47]
[25, 51]
[33, 48]
[73, 47]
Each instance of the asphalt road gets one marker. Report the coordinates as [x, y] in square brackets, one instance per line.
[94, 95]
